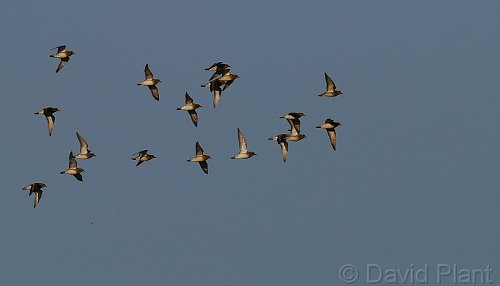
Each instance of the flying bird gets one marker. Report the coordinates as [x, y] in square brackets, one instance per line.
[37, 189]
[219, 69]
[150, 82]
[330, 126]
[201, 158]
[244, 153]
[331, 89]
[142, 156]
[63, 55]
[215, 87]
[85, 153]
[281, 139]
[48, 112]
[73, 168]
[190, 107]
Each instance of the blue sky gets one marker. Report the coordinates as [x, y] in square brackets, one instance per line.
[414, 179]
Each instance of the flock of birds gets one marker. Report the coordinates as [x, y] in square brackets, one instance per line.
[220, 80]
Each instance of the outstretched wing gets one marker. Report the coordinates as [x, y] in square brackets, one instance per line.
[78, 177]
[147, 72]
[199, 150]
[84, 147]
[204, 166]
[60, 48]
[189, 100]
[242, 141]
[38, 196]
[284, 149]
[154, 92]
[332, 134]
[194, 117]
[51, 119]
[72, 161]
[330, 86]
[62, 63]
[295, 126]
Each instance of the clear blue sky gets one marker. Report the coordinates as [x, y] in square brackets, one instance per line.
[414, 180]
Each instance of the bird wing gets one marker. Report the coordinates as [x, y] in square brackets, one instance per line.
[227, 84]
[62, 63]
[204, 166]
[38, 196]
[194, 117]
[51, 119]
[214, 75]
[84, 147]
[199, 150]
[141, 153]
[217, 94]
[147, 72]
[78, 177]
[154, 92]
[332, 134]
[213, 66]
[284, 149]
[60, 48]
[242, 141]
[330, 86]
[189, 100]
[72, 161]
[295, 126]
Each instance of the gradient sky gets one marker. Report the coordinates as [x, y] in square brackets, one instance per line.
[414, 180]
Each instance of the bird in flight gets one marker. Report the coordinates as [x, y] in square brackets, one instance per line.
[331, 89]
[35, 188]
[150, 82]
[201, 158]
[85, 153]
[48, 112]
[73, 168]
[330, 126]
[142, 156]
[63, 55]
[244, 152]
[190, 107]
